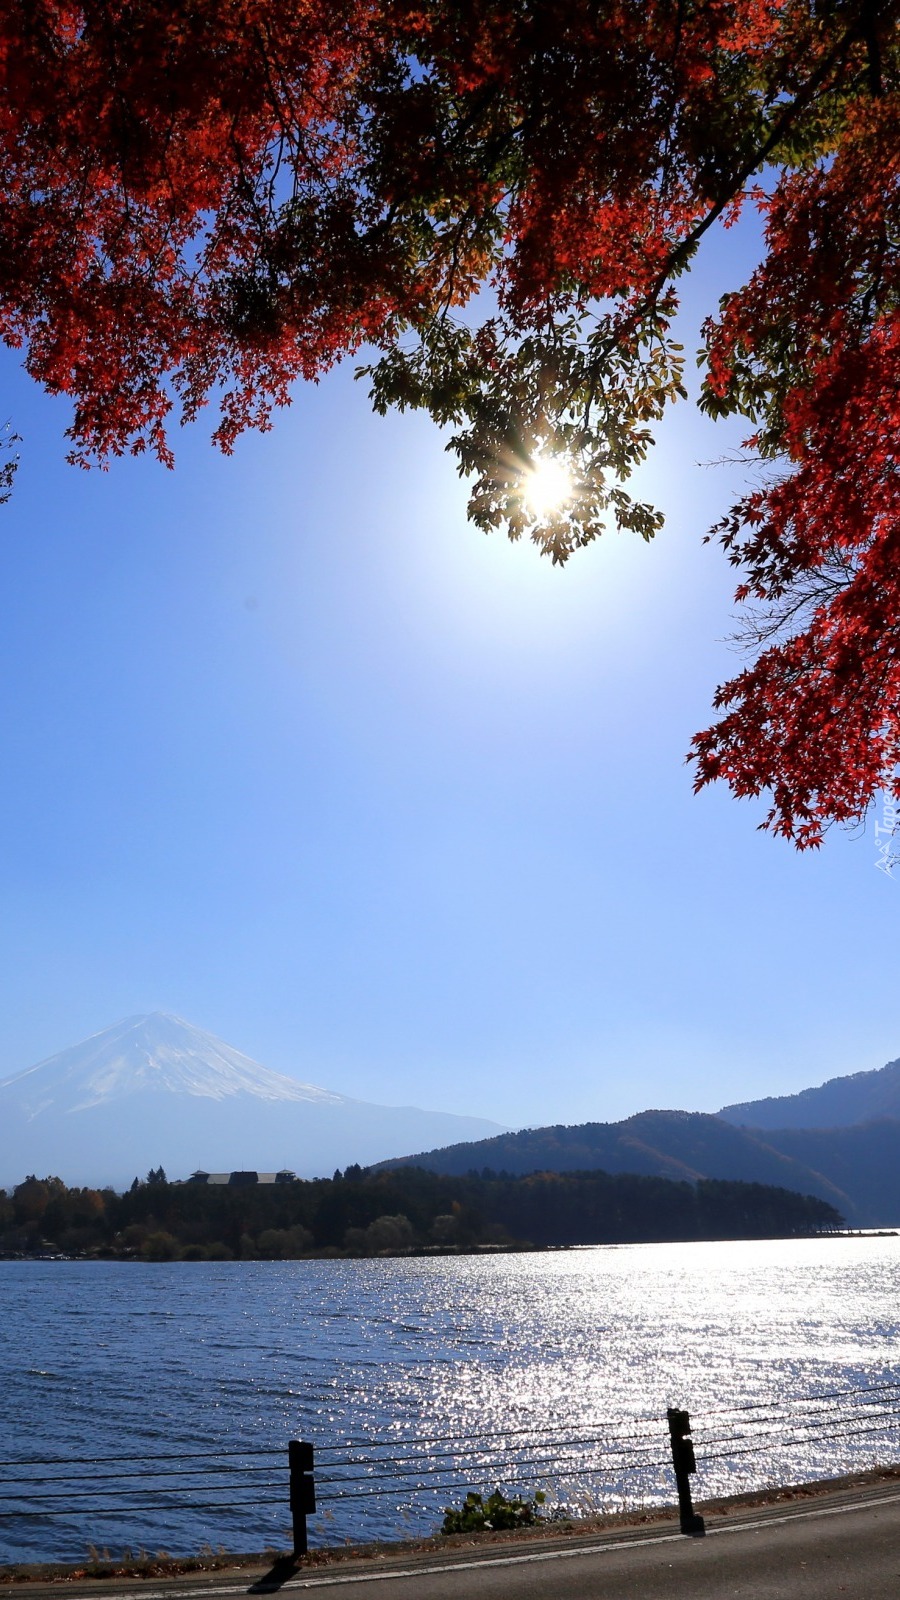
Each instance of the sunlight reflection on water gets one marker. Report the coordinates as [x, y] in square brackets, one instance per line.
[109, 1358]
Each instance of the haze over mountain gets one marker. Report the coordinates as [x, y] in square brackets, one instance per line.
[839, 1103]
[155, 1091]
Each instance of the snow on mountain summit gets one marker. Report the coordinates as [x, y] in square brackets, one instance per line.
[156, 1052]
[155, 1091]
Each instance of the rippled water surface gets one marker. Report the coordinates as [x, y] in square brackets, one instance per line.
[108, 1359]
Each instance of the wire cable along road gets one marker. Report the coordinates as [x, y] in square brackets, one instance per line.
[847, 1544]
[373, 1482]
[830, 1540]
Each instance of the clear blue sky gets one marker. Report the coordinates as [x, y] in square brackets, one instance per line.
[291, 750]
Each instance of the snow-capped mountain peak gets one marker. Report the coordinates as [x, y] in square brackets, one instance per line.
[156, 1052]
[156, 1091]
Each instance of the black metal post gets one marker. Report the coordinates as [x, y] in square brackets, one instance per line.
[302, 1490]
[684, 1462]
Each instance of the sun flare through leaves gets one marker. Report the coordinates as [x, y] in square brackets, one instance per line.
[206, 203]
[548, 486]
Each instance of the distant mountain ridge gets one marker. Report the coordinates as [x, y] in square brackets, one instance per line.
[156, 1091]
[856, 1169]
[839, 1103]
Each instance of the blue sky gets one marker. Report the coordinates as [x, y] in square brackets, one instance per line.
[291, 750]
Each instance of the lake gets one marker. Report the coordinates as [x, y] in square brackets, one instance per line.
[502, 1360]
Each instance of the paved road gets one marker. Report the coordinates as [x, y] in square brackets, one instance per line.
[847, 1548]
[817, 1555]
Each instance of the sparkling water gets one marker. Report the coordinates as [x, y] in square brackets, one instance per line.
[536, 1370]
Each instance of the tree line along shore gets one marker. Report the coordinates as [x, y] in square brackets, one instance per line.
[405, 1211]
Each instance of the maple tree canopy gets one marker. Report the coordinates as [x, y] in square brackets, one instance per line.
[204, 200]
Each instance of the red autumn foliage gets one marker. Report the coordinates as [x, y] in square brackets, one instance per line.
[816, 719]
[205, 200]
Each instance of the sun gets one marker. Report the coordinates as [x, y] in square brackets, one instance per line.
[548, 486]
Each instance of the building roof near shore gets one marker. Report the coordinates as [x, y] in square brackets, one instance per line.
[239, 1179]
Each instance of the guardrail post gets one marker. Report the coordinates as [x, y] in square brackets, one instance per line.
[302, 1490]
[684, 1462]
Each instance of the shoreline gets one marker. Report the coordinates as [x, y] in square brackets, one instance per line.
[442, 1252]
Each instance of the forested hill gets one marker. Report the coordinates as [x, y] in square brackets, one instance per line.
[861, 1097]
[403, 1212]
[857, 1169]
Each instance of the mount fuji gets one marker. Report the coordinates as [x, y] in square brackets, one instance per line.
[153, 1090]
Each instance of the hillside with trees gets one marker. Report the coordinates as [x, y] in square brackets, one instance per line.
[401, 1212]
[839, 1103]
[856, 1169]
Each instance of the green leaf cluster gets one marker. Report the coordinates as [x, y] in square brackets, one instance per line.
[497, 1512]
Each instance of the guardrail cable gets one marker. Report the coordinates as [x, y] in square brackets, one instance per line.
[401, 1467]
